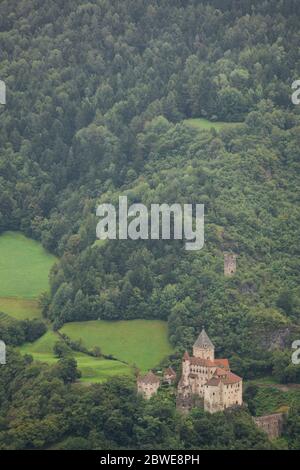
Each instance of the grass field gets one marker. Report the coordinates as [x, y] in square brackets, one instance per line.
[20, 309]
[92, 369]
[205, 124]
[41, 348]
[5, 320]
[140, 342]
[24, 266]
[24, 270]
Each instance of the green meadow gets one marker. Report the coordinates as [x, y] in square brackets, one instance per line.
[143, 343]
[24, 271]
[20, 309]
[92, 369]
[42, 348]
[140, 342]
[24, 266]
[5, 320]
[205, 124]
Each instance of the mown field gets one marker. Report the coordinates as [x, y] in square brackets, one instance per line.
[92, 369]
[140, 342]
[24, 267]
[24, 271]
[20, 309]
[205, 124]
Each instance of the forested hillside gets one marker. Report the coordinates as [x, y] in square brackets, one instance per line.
[98, 94]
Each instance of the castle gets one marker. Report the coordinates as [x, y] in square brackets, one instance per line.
[207, 379]
[204, 381]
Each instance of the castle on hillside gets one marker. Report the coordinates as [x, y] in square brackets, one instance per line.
[205, 381]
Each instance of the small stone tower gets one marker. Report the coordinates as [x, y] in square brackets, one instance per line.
[203, 347]
[185, 368]
[229, 264]
[147, 385]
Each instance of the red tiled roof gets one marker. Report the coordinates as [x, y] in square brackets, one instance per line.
[226, 377]
[220, 372]
[201, 362]
[231, 378]
[222, 363]
[149, 378]
[170, 371]
[214, 382]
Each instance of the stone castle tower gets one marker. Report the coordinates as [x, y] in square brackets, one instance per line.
[148, 384]
[229, 264]
[203, 347]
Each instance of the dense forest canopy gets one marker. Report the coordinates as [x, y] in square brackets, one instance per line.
[97, 97]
